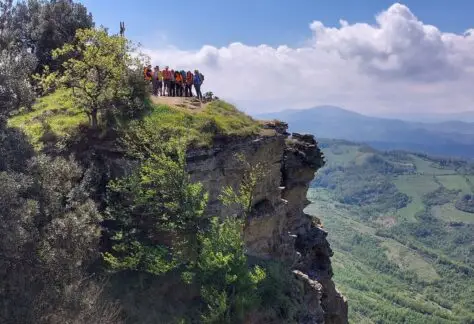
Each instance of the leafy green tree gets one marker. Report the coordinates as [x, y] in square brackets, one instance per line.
[156, 213]
[16, 64]
[40, 26]
[243, 198]
[49, 235]
[99, 70]
[228, 286]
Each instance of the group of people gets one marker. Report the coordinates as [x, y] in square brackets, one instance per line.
[174, 83]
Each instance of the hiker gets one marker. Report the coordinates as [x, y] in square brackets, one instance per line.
[172, 91]
[183, 75]
[167, 80]
[188, 84]
[147, 73]
[160, 82]
[198, 80]
[179, 83]
[156, 81]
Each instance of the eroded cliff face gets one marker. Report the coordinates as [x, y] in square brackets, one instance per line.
[277, 227]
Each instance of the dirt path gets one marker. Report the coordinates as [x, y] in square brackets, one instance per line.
[191, 104]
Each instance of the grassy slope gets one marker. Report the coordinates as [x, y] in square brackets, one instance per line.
[393, 281]
[57, 113]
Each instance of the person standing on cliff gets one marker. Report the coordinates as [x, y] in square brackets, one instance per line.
[179, 84]
[166, 80]
[156, 80]
[172, 91]
[198, 80]
[189, 84]
[147, 73]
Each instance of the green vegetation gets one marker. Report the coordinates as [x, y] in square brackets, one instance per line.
[155, 212]
[407, 262]
[199, 128]
[228, 288]
[102, 73]
[55, 115]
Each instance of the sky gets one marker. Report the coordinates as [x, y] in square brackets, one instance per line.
[375, 57]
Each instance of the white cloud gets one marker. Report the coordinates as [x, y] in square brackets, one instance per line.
[398, 65]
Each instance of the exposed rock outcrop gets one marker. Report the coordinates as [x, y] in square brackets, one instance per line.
[277, 227]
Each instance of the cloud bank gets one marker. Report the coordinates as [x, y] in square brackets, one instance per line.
[398, 65]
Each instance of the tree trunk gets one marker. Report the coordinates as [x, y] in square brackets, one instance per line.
[94, 121]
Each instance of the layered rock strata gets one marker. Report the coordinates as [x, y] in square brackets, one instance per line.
[277, 227]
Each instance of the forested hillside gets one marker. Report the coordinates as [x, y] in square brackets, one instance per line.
[401, 227]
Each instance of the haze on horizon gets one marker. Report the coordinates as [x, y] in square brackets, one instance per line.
[393, 65]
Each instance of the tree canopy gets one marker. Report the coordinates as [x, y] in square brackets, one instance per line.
[101, 71]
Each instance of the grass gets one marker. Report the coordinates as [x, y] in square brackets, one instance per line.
[454, 182]
[428, 167]
[201, 128]
[449, 213]
[55, 112]
[408, 259]
[415, 186]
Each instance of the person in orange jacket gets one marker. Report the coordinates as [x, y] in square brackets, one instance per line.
[167, 80]
[189, 84]
[179, 83]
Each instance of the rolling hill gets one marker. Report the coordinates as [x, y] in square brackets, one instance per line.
[401, 226]
[450, 138]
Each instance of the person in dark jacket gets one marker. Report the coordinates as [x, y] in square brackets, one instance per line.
[172, 92]
[198, 80]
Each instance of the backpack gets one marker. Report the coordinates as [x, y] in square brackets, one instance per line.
[202, 77]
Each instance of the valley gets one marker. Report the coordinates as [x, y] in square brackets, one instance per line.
[403, 250]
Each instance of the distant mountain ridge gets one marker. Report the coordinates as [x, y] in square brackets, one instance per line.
[448, 138]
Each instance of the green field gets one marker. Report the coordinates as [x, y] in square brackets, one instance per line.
[415, 187]
[404, 253]
[449, 213]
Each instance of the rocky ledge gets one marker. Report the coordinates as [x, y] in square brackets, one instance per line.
[277, 227]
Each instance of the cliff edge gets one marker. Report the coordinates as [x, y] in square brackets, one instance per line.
[277, 228]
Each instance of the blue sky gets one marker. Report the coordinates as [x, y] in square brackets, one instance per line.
[376, 57]
[190, 24]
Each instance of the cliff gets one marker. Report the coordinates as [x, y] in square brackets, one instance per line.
[277, 228]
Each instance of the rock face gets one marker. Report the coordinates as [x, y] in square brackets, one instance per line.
[277, 227]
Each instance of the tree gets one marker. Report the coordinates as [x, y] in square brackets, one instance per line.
[228, 286]
[99, 71]
[49, 235]
[155, 214]
[44, 25]
[16, 64]
[245, 195]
